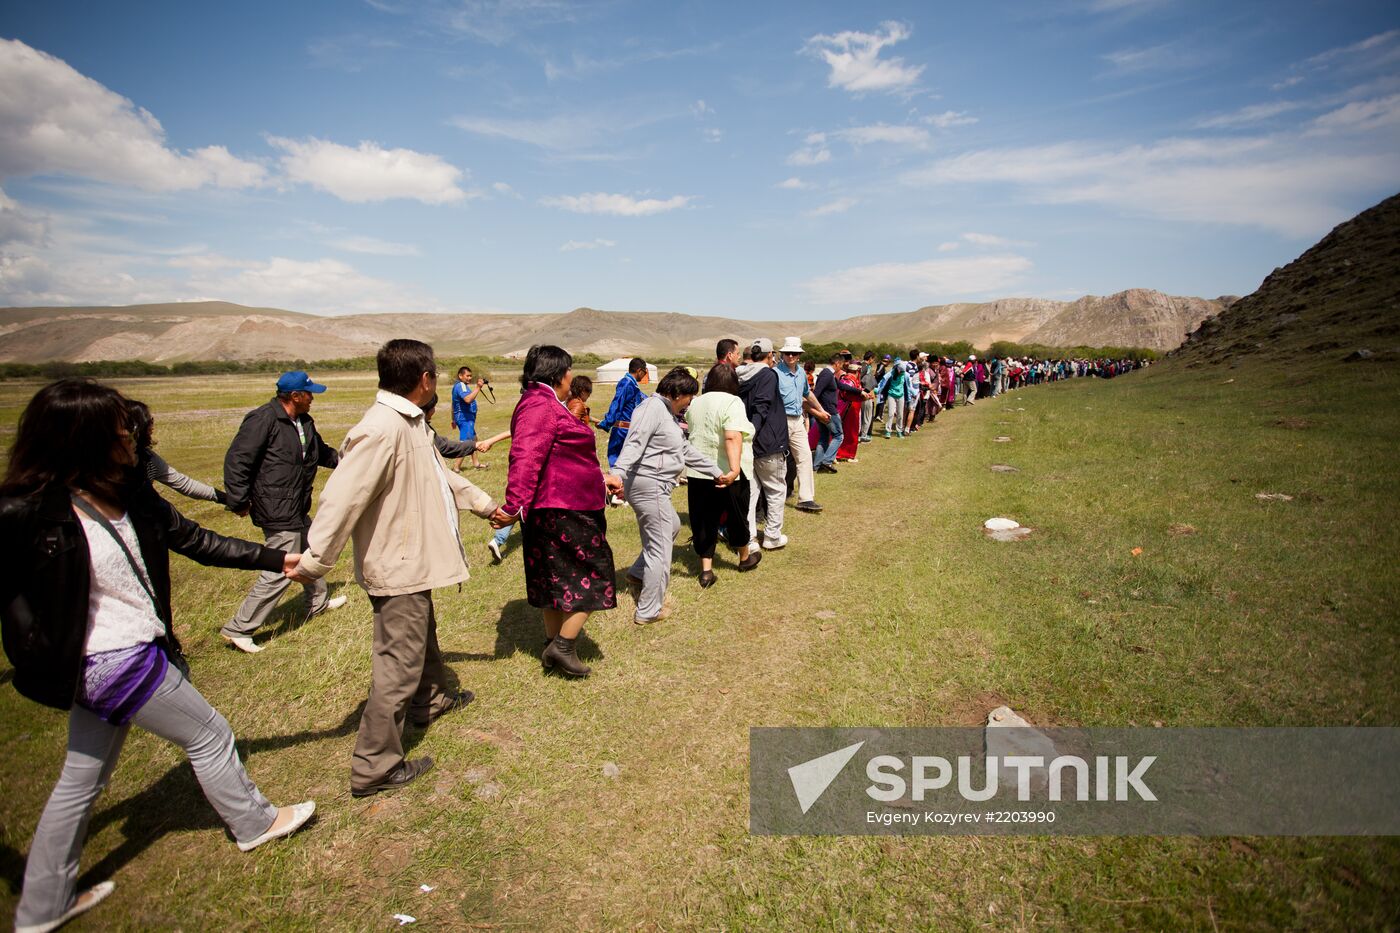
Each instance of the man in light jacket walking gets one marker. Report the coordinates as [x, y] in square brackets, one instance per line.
[396, 497]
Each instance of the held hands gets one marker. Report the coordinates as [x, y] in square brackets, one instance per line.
[500, 519]
[728, 479]
[614, 485]
[483, 447]
[290, 571]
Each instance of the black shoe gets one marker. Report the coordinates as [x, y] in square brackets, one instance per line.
[826, 468]
[458, 700]
[559, 654]
[707, 579]
[750, 562]
[808, 506]
[544, 656]
[406, 773]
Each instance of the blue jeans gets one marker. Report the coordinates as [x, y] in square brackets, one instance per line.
[829, 437]
[501, 535]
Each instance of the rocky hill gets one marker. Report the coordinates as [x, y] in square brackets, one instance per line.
[216, 330]
[1340, 298]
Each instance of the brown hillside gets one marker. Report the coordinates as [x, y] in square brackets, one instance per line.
[1341, 298]
[223, 331]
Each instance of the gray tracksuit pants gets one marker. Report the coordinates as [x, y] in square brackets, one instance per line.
[176, 711]
[262, 599]
[658, 524]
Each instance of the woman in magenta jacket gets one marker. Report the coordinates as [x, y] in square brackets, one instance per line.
[556, 487]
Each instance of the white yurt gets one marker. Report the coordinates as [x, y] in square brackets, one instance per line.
[610, 373]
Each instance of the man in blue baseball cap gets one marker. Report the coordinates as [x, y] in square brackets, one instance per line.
[268, 472]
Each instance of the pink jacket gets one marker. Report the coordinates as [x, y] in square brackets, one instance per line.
[553, 457]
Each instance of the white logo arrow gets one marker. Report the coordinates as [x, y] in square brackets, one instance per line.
[811, 778]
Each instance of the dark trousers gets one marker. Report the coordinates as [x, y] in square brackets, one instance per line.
[709, 503]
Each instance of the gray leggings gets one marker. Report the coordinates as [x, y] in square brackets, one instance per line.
[176, 711]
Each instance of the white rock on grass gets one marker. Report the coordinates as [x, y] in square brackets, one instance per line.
[1008, 733]
[1000, 524]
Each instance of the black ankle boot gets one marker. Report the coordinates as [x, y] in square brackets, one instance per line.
[544, 656]
[560, 653]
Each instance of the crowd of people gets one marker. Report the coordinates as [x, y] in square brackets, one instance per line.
[86, 603]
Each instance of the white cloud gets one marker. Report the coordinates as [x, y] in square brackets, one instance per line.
[792, 184]
[928, 282]
[504, 189]
[809, 155]
[883, 133]
[55, 121]
[1152, 58]
[713, 135]
[325, 286]
[856, 66]
[570, 134]
[369, 172]
[18, 225]
[499, 21]
[948, 247]
[950, 118]
[1254, 113]
[573, 245]
[838, 206]
[992, 240]
[375, 246]
[701, 109]
[1356, 49]
[1361, 116]
[619, 204]
[1268, 182]
[1286, 83]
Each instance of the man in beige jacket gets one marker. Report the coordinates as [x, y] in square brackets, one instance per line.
[396, 498]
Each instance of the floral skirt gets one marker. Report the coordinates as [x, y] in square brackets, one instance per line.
[568, 563]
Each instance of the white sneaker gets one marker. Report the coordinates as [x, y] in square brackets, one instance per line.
[773, 545]
[86, 901]
[301, 812]
[243, 643]
[495, 549]
[335, 603]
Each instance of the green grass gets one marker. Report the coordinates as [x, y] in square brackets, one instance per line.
[1265, 613]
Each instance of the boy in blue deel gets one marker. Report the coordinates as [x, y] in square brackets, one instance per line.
[626, 398]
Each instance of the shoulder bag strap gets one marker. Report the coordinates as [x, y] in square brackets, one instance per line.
[87, 509]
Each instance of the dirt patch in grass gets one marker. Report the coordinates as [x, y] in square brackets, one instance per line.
[1293, 423]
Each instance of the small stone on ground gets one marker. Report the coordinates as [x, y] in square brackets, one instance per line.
[1004, 468]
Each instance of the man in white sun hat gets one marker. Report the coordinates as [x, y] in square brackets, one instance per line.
[797, 398]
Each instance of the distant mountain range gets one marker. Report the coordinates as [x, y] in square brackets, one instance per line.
[217, 330]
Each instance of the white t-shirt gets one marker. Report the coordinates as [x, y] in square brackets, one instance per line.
[120, 614]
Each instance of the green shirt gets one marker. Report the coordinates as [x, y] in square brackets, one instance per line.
[709, 416]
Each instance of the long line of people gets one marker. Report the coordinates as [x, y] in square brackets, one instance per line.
[85, 584]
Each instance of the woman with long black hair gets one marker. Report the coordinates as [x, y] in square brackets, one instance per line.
[86, 620]
[153, 465]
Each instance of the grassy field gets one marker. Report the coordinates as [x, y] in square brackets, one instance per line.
[890, 608]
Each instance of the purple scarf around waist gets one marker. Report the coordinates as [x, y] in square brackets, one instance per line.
[118, 683]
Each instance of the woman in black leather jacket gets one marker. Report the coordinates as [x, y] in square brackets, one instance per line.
[86, 621]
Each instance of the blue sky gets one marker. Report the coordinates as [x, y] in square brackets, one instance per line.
[799, 160]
